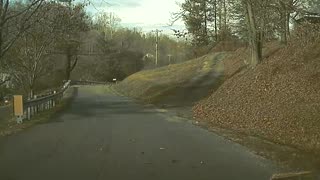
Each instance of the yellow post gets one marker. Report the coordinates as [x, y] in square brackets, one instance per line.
[18, 107]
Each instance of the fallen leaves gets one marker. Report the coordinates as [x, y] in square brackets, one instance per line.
[283, 106]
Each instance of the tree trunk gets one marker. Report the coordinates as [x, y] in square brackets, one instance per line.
[215, 20]
[285, 22]
[1, 29]
[288, 25]
[256, 51]
[1, 42]
[220, 23]
[70, 65]
[255, 37]
[225, 15]
[205, 22]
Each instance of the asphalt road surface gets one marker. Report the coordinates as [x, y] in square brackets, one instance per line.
[106, 137]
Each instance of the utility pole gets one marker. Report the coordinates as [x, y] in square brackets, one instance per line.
[157, 31]
[111, 24]
[169, 56]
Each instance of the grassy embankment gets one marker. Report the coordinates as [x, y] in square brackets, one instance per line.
[178, 84]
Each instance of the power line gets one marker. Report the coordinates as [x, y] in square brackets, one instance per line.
[102, 1]
[91, 3]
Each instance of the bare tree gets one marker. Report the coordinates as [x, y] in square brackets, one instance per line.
[107, 23]
[71, 50]
[4, 80]
[31, 62]
[12, 13]
[74, 21]
[52, 26]
[29, 59]
[18, 16]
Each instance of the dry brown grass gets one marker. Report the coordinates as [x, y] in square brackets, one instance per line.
[152, 85]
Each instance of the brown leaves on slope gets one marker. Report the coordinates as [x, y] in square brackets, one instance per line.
[278, 100]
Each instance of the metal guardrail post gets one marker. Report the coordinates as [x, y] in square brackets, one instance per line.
[19, 119]
[29, 113]
[54, 101]
[32, 111]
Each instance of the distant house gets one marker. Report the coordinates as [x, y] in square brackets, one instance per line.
[314, 19]
[5, 77]
[148, 55]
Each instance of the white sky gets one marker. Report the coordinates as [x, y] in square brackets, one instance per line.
[146, 14]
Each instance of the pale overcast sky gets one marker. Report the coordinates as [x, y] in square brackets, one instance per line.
[147, 14]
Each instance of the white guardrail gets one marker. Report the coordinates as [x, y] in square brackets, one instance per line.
[26, 109]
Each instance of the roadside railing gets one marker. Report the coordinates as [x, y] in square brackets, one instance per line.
[26, 109]
[85, 82]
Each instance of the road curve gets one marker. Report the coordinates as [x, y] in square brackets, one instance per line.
[106, 137]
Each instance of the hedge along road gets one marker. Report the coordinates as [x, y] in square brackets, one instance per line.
[105, 136]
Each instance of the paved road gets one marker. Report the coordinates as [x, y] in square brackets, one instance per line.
[103, 136]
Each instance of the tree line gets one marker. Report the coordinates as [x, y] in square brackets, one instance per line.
[135, 39]
[41, 40]
[254, 22]
[30, 33]
[125, 51]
